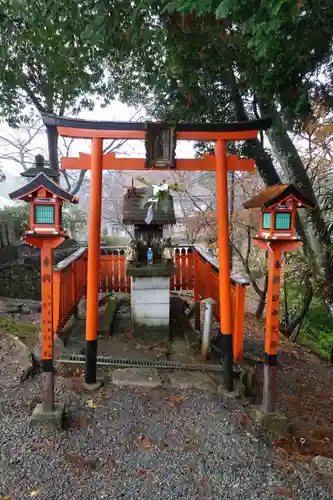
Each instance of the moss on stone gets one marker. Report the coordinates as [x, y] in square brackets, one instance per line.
[23, 331]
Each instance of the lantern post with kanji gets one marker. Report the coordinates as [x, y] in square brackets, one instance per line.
[277, 235]
[45, 232]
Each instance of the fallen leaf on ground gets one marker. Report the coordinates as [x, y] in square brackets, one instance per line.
[301, 458]
[34, 493]
[43, 445]
[283, 492]
[82, 462]
[173, 400]
[91, 403]
[145, 442]
[80, 422]
[141, 472]
[241, 419]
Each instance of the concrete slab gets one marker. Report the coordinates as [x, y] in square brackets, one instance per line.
[323, 465]
[229, 394]
[136, 377]
[192, 380]
[53, 417]
[277, 423]
[93, 387]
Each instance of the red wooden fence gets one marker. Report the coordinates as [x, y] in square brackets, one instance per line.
[69, 286]
[207, 285]
[193, 272]
[113, 271]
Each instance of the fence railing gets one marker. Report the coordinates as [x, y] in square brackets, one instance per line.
[69, 286]
[206, 285]
[194, 270]
[113, 270]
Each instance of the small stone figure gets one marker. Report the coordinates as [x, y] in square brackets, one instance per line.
[168, 251]
[131, 252]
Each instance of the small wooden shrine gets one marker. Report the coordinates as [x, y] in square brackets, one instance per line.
[148, 233]
[150, 281]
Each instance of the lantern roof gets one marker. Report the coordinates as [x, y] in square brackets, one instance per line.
[273, 195]
[39, 167]
[42, 181]
[136, 207]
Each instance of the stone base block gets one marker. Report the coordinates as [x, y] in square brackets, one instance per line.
[95, 386]
[323, 465]
[235, 394]
[150, 331]
[150, 306]
[275, 422]
[136, 377]
[192, 380]
[43, 416]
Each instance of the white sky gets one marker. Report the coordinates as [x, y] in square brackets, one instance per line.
[115, 112]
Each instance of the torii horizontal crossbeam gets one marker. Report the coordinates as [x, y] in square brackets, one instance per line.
[110, 162]
[87, 129]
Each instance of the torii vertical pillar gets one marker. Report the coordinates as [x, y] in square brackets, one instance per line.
[224, 261]
[94, 241]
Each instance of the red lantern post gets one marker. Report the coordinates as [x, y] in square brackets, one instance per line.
[45, 232]
[276, 235]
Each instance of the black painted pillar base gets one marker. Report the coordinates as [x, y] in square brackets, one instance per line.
[48, 381]
[228, 361]
[91, 362]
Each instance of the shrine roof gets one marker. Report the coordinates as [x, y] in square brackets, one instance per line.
[135, 210]
[59, 121]
[41, 180]
[272, 195]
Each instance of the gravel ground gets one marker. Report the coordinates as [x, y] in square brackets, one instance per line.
[132, 444]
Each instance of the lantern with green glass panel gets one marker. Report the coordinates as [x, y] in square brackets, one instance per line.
[46, 198]
[278, 211]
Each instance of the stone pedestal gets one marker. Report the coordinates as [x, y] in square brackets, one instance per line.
[150, 300]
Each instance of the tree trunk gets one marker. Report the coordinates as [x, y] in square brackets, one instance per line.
[296, 321]
[262, 299]
[267, 170]
[263, 160]
[52, 141]
[292, 165]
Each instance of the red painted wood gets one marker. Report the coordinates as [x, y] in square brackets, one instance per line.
[104, 266]
[128, 284]
[196, 291]
[122, 273]
[68, 288]
[110, 272]
[116, 268]
[183, 260]
[177, 263]
[208, 268]
[190, 270]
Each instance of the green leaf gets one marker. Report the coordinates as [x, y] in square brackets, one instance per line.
[223, 9]
[164, 203]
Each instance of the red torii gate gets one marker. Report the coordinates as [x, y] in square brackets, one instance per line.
[96, 162]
